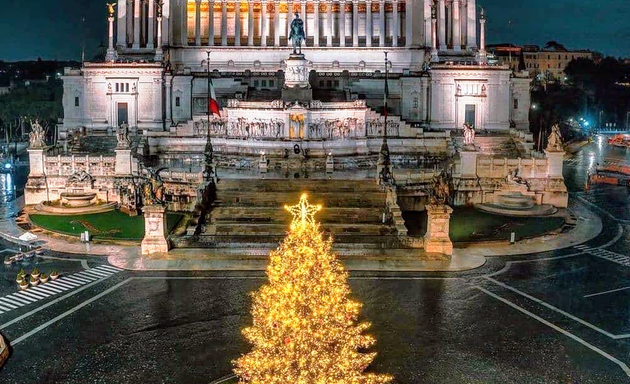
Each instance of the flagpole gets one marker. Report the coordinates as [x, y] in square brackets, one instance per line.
[384, 164]
[208, 103]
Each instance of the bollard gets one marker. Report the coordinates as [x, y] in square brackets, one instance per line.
[512, 238]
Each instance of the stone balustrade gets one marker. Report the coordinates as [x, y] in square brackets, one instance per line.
[69, 165]
[501, 167]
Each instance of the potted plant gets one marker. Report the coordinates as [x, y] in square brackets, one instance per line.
[7, 260]
[23, 284]
[54, 275]
[34, 280]
[43, 278]
[35, 273]
[19, 278]
[22, 272]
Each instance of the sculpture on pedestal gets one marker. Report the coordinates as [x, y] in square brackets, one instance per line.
[37, 136]
[441, 191]
[153, 188]
[122, 136]
[297, 34]
[110, 9]
[554, 144]
[469, 135]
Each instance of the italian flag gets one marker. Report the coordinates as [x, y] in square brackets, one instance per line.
[213, 104]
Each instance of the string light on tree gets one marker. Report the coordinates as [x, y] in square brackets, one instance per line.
[305, 328]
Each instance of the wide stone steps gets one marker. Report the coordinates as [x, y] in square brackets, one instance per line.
[344, 242]
[278, 199]
[292, 185]
[238, 228]
[362, 215]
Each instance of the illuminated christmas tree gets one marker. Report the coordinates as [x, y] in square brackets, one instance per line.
[305, 328]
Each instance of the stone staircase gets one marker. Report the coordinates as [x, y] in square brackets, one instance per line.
[249, 213]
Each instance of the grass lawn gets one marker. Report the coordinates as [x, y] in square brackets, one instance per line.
[113, 225]
[469, 224]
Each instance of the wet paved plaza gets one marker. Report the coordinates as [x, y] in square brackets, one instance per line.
[553, 317]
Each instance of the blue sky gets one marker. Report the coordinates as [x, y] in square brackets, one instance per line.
[53, 29]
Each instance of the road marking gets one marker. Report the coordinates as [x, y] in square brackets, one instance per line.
[609, 255]
[558, 310]
[21, 300]
[68, 312]
[52, 288]
[10, 303]
[605, 292]
[593, 348]
[110, 268]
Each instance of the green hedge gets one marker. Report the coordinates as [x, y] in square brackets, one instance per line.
[113, 225]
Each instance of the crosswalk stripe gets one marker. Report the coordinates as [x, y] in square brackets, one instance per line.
[60, 285]
[98, 273]
[40, 291]
[5, 308]
[84, 276]
[33, 295]
[75, 280]
[21, 300]
[48, 288]
[27, 299]
[110, 268]
[9, 303]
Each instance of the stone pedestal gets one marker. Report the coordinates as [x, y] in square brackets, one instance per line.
[123, 162]
[154, 230]
[468, 157]
[36, 161]
[296, 73]
[555, 161]
[437, 238]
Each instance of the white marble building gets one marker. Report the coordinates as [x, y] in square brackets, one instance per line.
[156, 73]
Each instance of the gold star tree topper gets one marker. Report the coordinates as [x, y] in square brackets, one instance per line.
[303, 212]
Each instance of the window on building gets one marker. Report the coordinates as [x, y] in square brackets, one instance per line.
[256, 83]
[263, 83]
[336, 83]
[329, 83]
[515, 103]
[271, 83]
[177, 101]
[126, 87]
[415, 102]
[76, 101]
[321, 83]
[117, 89]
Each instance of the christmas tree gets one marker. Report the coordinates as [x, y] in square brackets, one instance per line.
[305, 328]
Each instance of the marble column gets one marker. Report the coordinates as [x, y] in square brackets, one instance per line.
[457, 28]
[151, 24]
[428, 31]
[355, 23]
[224, 22]
[197, 22]
[409, 9]
[159, 53]
[169, 100]
[381, 21]
[434, 51]
[463, 17]
[316, 23]
[471, 35]
[395, 24]
[342, 23]
[303, 17]
[289, 19]
[122, 24]
[442, 25]
[276, 23]
[329, 23]
[368, 23]
[185, 23]
[136, 24]
[250, 23]
[211, 22]
[111, 52]
[237, 23]
[263, 23]
[482, 40]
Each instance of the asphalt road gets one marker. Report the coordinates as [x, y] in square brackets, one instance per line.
[553, 317]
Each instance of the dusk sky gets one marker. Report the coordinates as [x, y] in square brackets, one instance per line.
[53, 29]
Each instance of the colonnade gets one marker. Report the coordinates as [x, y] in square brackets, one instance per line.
[328, 23]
